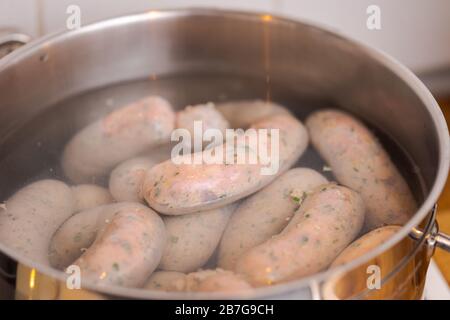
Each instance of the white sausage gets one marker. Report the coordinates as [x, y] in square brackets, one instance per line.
[208, 280]
[126, 251]
[166, 281]
[210, 119]
[33, 214]
[119, 136]
[78, 232]
[187, 188]
[243, 113]
[326, 222]
[89, 196]
[360, 162]
[224, 282]
[265, 213]
[126, 179]
[192, 238]
[365, 244]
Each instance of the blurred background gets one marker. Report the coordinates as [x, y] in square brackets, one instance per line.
[415, 32]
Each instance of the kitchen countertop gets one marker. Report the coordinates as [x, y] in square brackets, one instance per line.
[443, 215]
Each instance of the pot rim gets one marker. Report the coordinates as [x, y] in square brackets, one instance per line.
[382, 58]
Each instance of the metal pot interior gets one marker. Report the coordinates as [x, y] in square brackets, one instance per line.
[53, 87]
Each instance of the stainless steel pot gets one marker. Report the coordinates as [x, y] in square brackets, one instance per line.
[53, 86]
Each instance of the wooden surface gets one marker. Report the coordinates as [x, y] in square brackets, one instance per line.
[443, 258]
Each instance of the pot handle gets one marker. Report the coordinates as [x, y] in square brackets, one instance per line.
[435, 238]
[10, 40]
[442, 241]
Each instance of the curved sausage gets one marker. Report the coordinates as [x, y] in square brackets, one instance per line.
[364, 244]
[242, 113]
[183, 188]
[33, 214]
[126, 251]
[192, 238]
[119, 136]
[89, 196]
[326, 222]
[360, 162]
[79, 231]
[265, 213]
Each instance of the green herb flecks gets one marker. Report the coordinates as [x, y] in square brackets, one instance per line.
[299, 200]
[77, 237]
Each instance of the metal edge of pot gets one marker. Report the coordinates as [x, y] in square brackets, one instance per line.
[382, 58]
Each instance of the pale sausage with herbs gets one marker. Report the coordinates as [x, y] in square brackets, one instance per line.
[175, 189]
[120, 135]
[126, 251]
[326, 222]
[265, 213]
[359, 162]
[193, 238]
[365, 244]
[33, 214]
